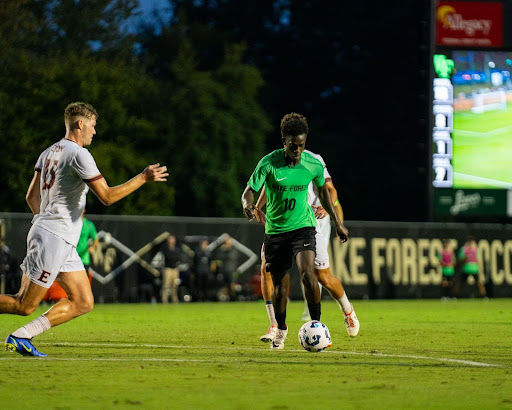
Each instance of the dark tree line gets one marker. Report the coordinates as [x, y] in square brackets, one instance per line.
[204, 95]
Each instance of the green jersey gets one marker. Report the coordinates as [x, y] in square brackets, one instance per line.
[470, 257]
[286, 188]
[88, 232]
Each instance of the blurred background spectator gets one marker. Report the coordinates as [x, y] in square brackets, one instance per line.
[226, 260]
[10, 276]
[203, 277]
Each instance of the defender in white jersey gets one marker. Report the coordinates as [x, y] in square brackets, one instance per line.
[63, 175]
[322, 271]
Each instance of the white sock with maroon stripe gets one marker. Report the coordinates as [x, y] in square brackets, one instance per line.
[34, 328]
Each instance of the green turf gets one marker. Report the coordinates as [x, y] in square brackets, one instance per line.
[482, 147]
[409, 354]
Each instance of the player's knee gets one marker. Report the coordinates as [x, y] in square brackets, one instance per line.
[282, 291]
[323, 277]
[85, 306]
[307, 275]
[25, 310]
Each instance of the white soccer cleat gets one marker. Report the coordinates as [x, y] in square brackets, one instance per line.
[351, 323]
[269, 336]
[279, 338]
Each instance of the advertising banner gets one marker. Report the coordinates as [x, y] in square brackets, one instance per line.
[469, 24]
[380, 260]
[459, 202]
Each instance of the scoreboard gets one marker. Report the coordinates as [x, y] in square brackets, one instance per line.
[442, 133]
[471, 111]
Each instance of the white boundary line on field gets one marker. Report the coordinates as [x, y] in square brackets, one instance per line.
[332, 352]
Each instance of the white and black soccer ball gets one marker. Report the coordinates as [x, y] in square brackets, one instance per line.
[314, 336]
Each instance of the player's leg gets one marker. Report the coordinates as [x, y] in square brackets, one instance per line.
[305, 314]
[267, 288]
[459, 283]
[337, 292]
[456, 288]
[88, 271]
[446, 287]
[328, 281]
[55, 293]
[322, 235]
[25, 301]
[79, 302]
[303, 245]
[46, 255]
[306, 267]
[480, 286]
[335, 289]
[166, 284]
[281, 281]
[37, 266]
[279, 258]
[174, 284]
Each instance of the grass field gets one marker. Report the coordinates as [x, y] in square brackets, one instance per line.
[482, 146]
[409, 354]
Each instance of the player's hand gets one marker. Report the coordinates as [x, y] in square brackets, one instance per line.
[260, 216]
[250, 212]
[342, 233]
[155, 173]
[320, 212]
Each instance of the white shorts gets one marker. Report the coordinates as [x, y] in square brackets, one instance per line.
[47, 255]
[323, 236]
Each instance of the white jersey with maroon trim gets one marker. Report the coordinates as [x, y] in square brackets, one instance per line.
[323, 226]
[312, 194]
[65, 167]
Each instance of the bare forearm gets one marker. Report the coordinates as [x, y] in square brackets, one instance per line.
[333, 193]
[118, 192]
[326, 201]
[247, 198]
[109, 195]
[339, 211]
[248, 203]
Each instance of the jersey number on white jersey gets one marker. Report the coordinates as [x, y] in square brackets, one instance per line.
[49, 173]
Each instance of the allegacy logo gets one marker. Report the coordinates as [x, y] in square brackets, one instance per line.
[464, 202]
[456, 22]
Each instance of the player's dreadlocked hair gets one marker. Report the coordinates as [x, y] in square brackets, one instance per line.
[78, 109]
[294, 124]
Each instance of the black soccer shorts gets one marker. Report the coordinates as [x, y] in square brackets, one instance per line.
[282, 248]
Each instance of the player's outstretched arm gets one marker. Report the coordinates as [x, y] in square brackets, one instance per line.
[248, 206]
[325, 199]
[109, 195]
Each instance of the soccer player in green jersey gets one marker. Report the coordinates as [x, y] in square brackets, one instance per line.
[290, 221]
[87, 243]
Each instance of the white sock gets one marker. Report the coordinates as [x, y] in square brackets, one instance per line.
[344, 303]
[270, 312]
[34, 328]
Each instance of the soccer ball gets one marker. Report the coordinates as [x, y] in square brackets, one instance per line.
[314, 336]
